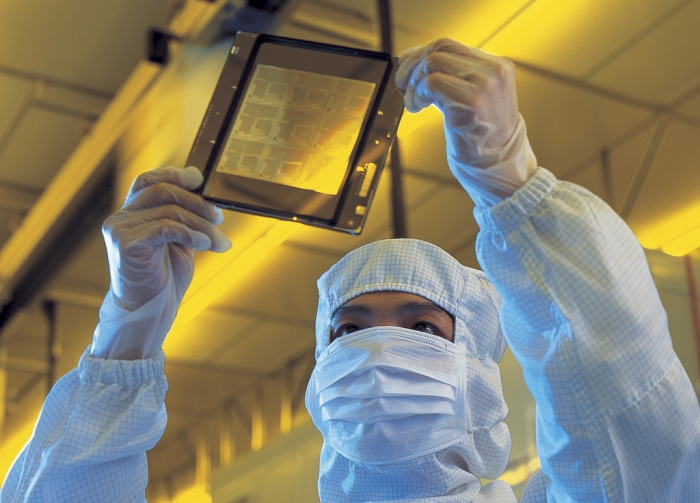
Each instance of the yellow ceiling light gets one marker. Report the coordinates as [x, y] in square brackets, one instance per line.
[534, 464]
[220, 276]
[676, 235]
[683, 244]
[521, 473]
[516, 476]
[194, 494]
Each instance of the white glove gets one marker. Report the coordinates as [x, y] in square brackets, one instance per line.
[487, 147]
[150, 246]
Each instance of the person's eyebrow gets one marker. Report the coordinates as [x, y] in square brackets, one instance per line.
[352, 310]
[426, 307]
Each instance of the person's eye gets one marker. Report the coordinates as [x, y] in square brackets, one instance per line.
[424, 327]
[342, 330]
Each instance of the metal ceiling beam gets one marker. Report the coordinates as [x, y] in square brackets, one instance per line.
[16, 118]
[585, 86]
[611, 145]
[88, 297]
[507, 22]
[15, 364]
[55, 249]
[15, 198]
[641, 33]
[25, 390]
[71, 86]
[342, 26]
[644, 164]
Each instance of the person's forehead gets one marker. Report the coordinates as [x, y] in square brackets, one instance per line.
[385, 296]
[385, 300]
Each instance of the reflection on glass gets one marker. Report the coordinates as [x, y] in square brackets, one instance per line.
[296, 128]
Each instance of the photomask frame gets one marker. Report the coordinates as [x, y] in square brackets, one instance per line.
[298, 130]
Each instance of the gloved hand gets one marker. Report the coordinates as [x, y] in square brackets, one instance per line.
[487, 146]
[150, 246]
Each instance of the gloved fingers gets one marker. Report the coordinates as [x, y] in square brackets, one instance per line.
[154, 233]
[410, 58]
[451, 58]
[437, 69]
[456, 65]
[447, 91]
[127, 226]
[165, 193]
[481, 73]
[157, 181]
[189, 178]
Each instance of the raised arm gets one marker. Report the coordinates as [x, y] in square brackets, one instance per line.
[617, 417]
[150, 245]
[99, 420]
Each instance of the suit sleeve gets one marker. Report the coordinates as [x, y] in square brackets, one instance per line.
[91, 438]
[617, 416]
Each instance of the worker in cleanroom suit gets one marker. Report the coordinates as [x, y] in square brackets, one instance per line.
[408, 416]
[406, 391]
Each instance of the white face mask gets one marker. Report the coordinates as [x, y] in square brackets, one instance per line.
[388, 394]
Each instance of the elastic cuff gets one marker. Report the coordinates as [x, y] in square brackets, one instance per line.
[95, 370]
[508, 214]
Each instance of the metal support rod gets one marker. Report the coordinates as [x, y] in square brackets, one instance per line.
[3, 384]
[65, 85]
[26, 389]
[299, 390]
[286, 398]
[398, 210]
[50, 311]
[385, 26]
[397, 200]
[203, 466]
[607, 176]
[169, 483]
[14, 120]
[645, 161]
[692, 294]
[257, 431]
[227, 447]
[187, 445]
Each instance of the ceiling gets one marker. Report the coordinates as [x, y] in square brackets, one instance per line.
[610, 91]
